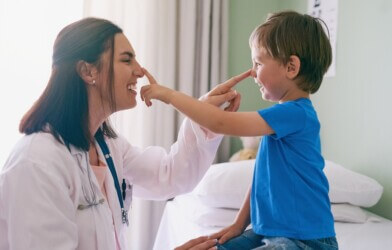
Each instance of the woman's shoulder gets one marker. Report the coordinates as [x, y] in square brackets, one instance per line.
[40, 142]
[39, 160]
[37, 148]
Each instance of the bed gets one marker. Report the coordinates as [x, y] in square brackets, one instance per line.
[216, 200]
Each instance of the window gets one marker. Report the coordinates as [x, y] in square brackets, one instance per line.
[27, 33]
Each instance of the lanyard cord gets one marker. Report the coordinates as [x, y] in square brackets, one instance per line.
[105, 150]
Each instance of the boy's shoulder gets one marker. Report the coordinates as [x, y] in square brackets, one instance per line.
[293, 106]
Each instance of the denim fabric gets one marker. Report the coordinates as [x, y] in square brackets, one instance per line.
[249, 240]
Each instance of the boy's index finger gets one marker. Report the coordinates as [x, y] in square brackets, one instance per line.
[150, 78]
[238, 78]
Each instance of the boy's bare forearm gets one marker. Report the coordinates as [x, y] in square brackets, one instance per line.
[217, 120]
[205, 114]
[243, 216]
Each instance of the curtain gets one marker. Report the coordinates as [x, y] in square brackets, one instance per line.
[184, 45]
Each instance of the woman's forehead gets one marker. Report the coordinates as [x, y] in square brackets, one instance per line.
[122, 44]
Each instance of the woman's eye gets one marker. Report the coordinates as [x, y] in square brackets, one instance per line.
[128, 61]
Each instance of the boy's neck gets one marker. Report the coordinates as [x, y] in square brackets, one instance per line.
[294, 95]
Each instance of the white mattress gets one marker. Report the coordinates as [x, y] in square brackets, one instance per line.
[177, 227]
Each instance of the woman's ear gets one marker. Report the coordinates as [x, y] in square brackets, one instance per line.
[293, 66]
[87, 72]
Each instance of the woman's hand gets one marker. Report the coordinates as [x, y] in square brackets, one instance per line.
[154, 91]
[228, 233]
[224, 93]
[201, 243]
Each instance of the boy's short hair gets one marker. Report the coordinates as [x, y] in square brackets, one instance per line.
[289, 33]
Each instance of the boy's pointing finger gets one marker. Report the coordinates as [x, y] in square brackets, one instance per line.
[150, 78]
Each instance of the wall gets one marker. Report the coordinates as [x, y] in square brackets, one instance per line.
[354, 106]
[244, 16]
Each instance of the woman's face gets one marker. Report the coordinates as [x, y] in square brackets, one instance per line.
[126, 71]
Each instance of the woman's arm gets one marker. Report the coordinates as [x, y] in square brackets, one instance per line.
[157, 174]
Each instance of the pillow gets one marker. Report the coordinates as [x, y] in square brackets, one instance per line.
[225, 185]
[194, 210]
[348, 213]
[346, 186]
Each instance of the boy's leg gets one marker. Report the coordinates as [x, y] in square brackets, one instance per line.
[246, 241]
[277, 243]
[321, 244]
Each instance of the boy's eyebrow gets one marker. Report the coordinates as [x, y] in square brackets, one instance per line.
[257, 58]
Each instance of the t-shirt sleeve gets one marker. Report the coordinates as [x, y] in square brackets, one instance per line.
[284, 119]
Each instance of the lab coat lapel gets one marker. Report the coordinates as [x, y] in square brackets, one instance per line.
[80, 157]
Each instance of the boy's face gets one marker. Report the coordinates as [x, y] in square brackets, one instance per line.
[269, 74]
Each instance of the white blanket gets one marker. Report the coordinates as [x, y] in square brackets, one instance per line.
[178, 227]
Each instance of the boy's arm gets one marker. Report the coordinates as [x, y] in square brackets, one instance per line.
[208, 116]
[243, 216]
[241, 222]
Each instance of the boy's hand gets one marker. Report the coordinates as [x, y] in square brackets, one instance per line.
[223, 93]
[201, 243]
[154, 91]
[228, 233]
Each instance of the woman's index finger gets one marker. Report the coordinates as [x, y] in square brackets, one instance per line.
[238, 78]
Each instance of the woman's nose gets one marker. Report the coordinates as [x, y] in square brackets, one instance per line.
[138, 72]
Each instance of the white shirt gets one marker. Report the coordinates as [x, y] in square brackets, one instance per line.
[41, 188]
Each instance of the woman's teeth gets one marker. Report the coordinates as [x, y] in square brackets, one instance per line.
[131, 87]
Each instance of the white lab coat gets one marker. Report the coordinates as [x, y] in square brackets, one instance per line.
[41, 188]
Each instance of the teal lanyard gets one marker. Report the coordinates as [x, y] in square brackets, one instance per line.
[120, 194]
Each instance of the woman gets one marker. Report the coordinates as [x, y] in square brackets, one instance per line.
[68, 182]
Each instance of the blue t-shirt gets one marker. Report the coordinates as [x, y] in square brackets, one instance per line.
[289, 195]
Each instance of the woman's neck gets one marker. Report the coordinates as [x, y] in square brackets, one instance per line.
[98, 113]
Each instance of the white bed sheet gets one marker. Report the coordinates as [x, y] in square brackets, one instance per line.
[176, 228]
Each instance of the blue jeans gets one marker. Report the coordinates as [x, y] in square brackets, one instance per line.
[250, 240]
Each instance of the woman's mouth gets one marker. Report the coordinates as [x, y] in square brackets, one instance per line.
[132, 88]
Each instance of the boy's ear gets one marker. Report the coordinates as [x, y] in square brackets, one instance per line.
[293, 66]
[87, 72]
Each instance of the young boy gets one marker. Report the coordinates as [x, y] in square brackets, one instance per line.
[288, 202]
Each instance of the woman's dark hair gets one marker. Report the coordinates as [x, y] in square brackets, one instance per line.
[63, 106]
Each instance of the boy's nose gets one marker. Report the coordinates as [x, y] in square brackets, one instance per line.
[253, 73]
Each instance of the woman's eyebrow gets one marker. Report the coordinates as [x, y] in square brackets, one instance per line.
[128, 53]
